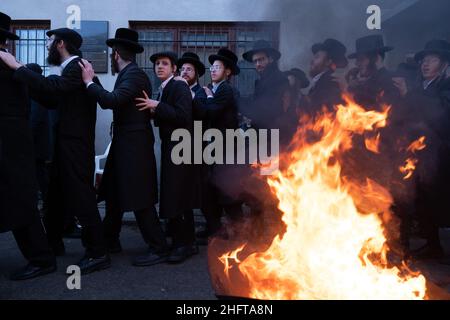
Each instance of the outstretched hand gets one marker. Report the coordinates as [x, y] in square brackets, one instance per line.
[146, 103]
[87, 71]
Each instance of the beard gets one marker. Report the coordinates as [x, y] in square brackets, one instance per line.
[114, 65]
[54, 57]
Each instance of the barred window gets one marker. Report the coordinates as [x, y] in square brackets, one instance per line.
[205, 38]
[31, 48]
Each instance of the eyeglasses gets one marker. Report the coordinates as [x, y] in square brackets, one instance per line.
[215, 68]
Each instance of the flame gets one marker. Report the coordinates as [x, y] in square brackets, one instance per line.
[334, 245]
[373, 143]
[411, 163]
[417, 145]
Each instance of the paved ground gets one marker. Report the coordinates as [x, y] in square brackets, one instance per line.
[123, 281]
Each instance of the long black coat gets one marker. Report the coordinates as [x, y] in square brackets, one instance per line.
[18, 186]
[174, 112]
[129, 178]
[325, 93]
[73, 165]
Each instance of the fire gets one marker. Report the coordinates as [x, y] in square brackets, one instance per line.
[417, 145]
[373, 144]
[334, 246]
[411, 163]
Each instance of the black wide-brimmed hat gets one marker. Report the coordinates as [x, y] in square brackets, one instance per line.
[228, 58]
[68, 35]
[165, 54]
[262, 46]
[127, 38]
[192, 58]
[336, 51]
[370, 44]
[5, 26]
[439, 47]
[300, 75]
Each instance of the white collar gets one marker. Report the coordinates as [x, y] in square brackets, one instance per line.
[191, 87]
[68, 60]
[427, 83]
[216, 86]
[164, 84]
[317, 77]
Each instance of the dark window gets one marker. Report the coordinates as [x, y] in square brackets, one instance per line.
[205, 38]
[31, 48]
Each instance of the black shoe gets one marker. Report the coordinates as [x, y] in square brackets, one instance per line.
[427, 252]
[151, 258]
[89, 264]
[180, 254]
[114, 247]
[30, 271]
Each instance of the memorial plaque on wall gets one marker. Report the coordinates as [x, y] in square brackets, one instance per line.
[94, 48]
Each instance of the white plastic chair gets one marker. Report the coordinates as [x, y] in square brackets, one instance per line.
[98, 169]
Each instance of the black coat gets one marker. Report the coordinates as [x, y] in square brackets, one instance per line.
[325, 93]
[18, 186]
[174, 112]
[73, 165]
[40, 128]
[129, 178]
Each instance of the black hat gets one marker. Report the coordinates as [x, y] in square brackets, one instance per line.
[370, 44]
[166, 54]
[127, 38]
[262, 46]
[335, 50]
[192, 58]
[228, 57]
[34, 67]
[440, 47]
[68, 35]
[300, 75]
[5, 26]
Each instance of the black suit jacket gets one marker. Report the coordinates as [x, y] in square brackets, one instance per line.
[325, 93]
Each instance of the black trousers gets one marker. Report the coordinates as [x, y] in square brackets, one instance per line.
[148, 223]
[182, 229]
[33, 244]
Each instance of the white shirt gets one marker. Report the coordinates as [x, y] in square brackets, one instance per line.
[215, 87]
[65, 63]
[162, 86]
[317, 78]
[192, 92]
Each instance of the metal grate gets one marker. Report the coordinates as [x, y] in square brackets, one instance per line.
[31, 48]
[205, 38]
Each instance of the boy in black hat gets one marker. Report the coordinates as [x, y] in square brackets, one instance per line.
[172, 110]
[325, 90]
[370, 82]
[129, 180]
[18, 187]
[192, 69]
[71, 190]
[427, 108]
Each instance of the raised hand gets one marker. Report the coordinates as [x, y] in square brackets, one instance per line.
[87, 71]
[10, 60]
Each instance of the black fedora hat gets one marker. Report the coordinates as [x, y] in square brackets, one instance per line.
[192, 58]
[5, 26]
[228, 57]
[127, 38]
[336, 51]
[300, 75]
[439, 47]
[165, 54]
[262, 46]
[373, 43]
[68, 35]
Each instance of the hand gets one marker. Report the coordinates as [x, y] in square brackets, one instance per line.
[10, 60]
[208, 91]
[147, 103]
[87, 72]
[178, 78]
[400, 83]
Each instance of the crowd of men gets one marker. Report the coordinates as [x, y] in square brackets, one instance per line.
[418, 93]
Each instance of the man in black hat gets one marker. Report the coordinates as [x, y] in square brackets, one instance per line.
[18, 187]
[271, 89]
[220, 111]
[192, 69]
[370, 82]
[129, 180]
[172, 110]
[325, 90]
[71, 190]
[427, 112]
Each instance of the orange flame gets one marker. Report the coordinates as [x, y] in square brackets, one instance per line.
[332, 248]
[411, 163]
[373, 144]
[417, 145]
